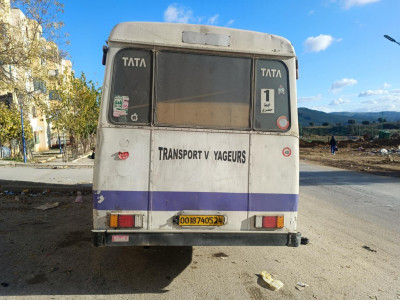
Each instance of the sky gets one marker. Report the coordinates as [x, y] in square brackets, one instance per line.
[345, 63]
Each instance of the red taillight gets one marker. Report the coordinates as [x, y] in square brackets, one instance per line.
[269, 222]
[126, 221]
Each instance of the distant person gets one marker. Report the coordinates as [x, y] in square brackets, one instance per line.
[332, 142]
[93, 153]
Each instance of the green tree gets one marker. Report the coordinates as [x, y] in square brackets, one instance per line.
[365, 122]
[351, 121]
[76, 112]
[10, 125]
[311, 124]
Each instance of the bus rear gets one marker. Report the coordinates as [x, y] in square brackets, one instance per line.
[197, 140]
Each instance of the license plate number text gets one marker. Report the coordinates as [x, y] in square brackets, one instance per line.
[201, 220]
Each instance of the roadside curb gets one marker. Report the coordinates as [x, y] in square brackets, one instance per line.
[45, 188]
[47, 166]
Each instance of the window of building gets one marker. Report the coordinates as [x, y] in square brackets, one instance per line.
[54, 95]
[36, 137]
[39, 85]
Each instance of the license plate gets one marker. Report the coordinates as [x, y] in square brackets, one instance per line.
[194, 220]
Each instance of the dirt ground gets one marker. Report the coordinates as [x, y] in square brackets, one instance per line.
[362, 156]
[47, 253]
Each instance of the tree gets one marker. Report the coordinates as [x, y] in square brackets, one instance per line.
[10, 125]
[325, 124]
[351, 121]
[311, 124]
[365, 122]
[28, 42]
[76, 111]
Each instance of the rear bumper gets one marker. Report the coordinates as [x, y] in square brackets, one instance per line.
[104, 238]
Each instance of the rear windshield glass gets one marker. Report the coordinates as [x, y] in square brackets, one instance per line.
[131, 87]
[199, 90]
[203, 90]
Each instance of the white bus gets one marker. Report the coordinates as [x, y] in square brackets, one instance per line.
[197, 141]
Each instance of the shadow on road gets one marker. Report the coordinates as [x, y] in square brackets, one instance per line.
[138, 270]
[340, 177]
[18, 186]
[49, 252]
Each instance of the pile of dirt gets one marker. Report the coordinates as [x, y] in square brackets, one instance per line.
[381, 143]
[311, 144]
[359, 155]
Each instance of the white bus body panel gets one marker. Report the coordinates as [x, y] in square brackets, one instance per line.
[161, 181]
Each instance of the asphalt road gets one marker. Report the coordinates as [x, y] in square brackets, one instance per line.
[351, 219]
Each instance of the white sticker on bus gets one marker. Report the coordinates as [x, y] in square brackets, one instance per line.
[120, 238]
[134, 117]
[267, 101]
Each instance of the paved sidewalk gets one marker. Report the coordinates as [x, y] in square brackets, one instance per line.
[54, 175]
[56, 163]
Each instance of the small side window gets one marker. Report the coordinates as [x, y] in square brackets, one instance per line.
[272, 109]
[130, 100]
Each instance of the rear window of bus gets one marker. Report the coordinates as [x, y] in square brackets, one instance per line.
[203, 90]
[199, 90]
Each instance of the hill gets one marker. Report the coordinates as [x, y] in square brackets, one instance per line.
[307, 116]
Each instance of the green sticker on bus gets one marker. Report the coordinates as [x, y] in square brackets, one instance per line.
[120, 106]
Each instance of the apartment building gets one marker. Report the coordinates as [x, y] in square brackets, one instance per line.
[30, 82]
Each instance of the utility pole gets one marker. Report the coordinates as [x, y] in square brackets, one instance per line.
[19, 96]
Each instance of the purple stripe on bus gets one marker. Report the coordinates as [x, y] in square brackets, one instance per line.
[177, 201]
[121, 200]
[273, 202]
